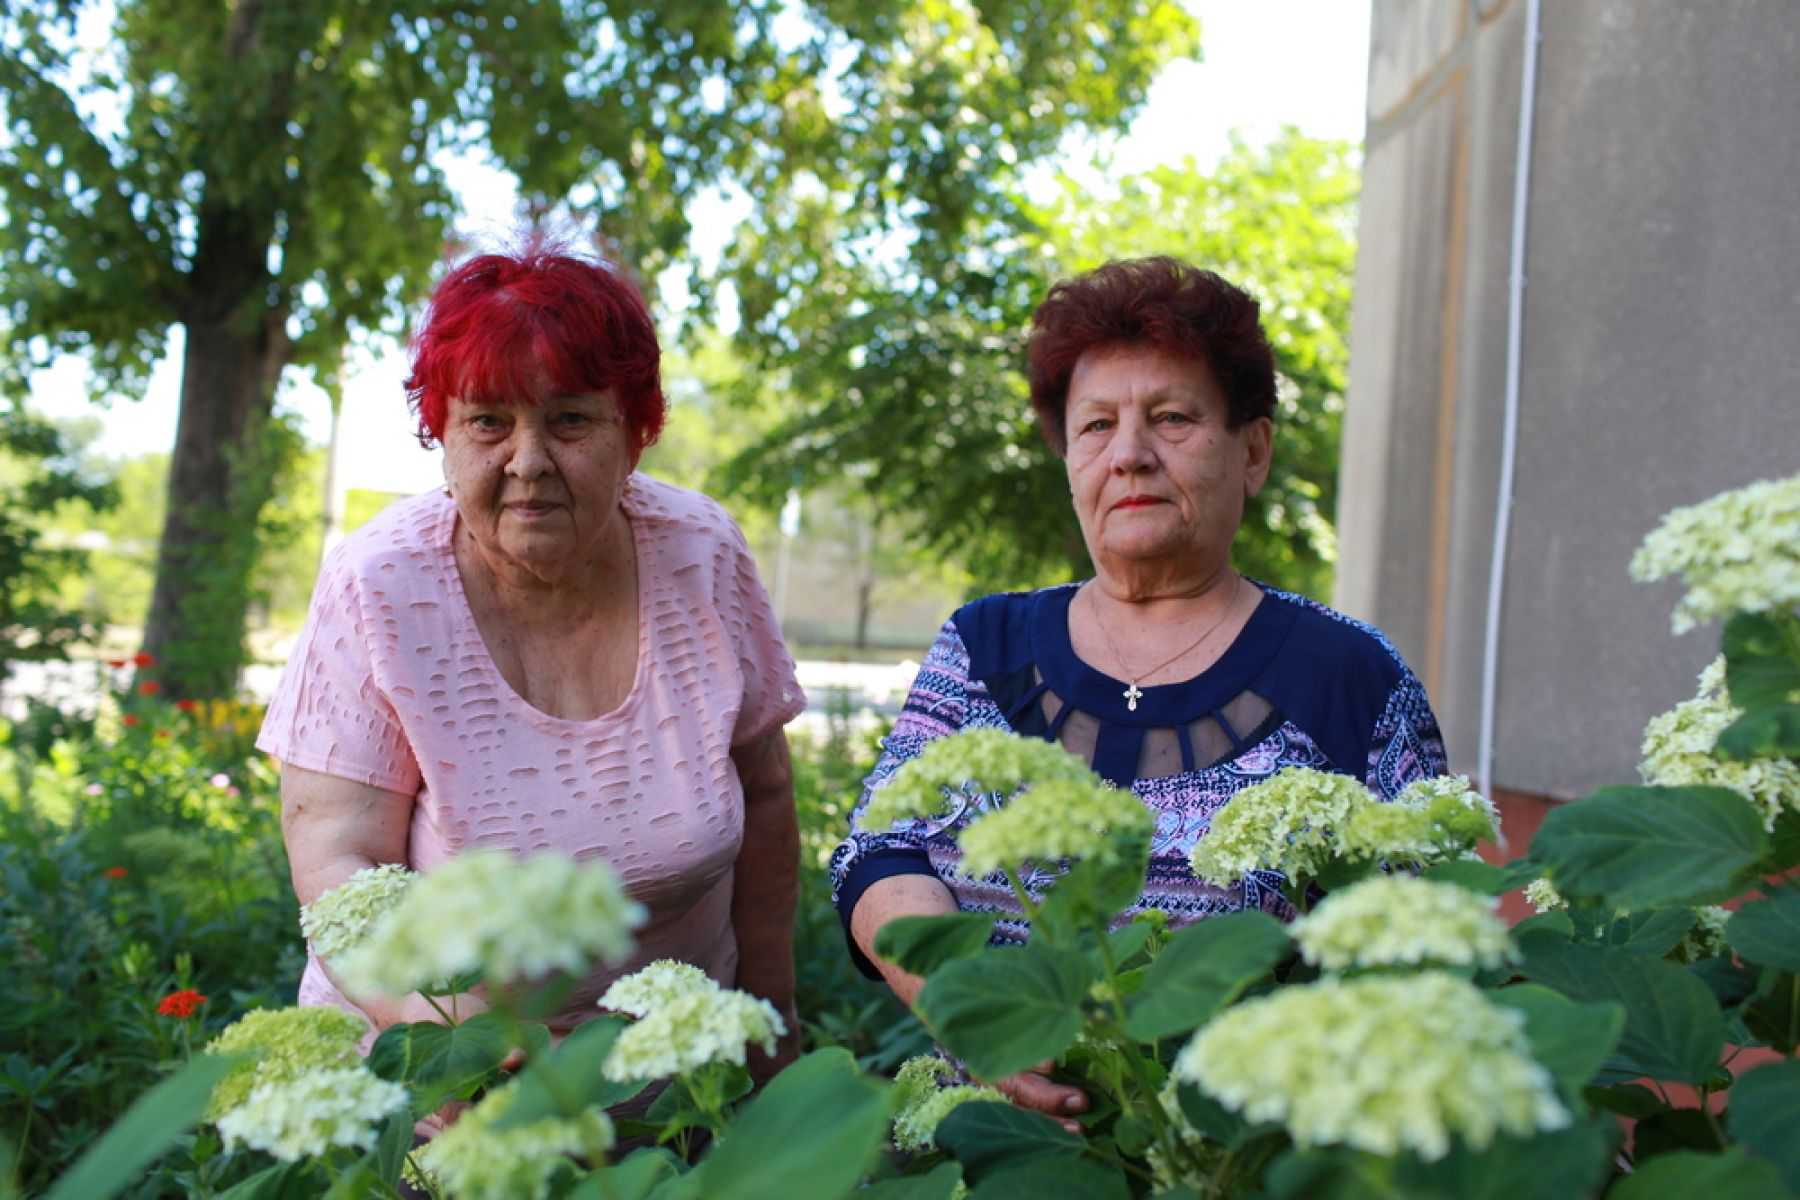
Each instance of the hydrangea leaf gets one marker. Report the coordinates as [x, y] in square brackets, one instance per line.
[1759, 669]
[1767, 932]
[1075, 1179]
[1652, 932]
[1004, 1011]
[1786, 836]
[1203, 968]
[1772, 732]
[939, 1183]
[1673, 1029]
[1563, 1162]
[1098, 886]
[1733, 1175]
[810, 1135]
[570, 1075]
[1486, 878]
[923, 944]
[1647, 847]
[1773, 1014]
[1572, 1039]
[988, 1136]
[148, 1128]
[635, 1177]
[1765, 1112]
[1214, 1121]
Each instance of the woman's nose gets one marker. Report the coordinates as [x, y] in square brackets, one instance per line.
[1131, 450]
[530, 454]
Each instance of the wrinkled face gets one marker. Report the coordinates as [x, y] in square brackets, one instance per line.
[537, 485]
[1158, 476]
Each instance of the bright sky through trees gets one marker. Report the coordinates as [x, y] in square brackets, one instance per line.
[1267, 64]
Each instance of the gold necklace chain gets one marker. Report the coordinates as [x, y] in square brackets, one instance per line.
[1133, 693]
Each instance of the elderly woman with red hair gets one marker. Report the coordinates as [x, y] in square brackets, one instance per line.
[1169, 672]
[554, 653]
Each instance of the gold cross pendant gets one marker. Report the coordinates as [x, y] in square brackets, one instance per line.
[1132, 696]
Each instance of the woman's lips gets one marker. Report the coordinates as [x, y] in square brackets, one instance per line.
[1139, 502]
[531, 508]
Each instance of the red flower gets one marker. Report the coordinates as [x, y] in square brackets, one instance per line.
[186, 705]
[181, 1004]
[117, 662]
[130, 719]
[149, 687]
[163, 733]
[143, 660]
[114, 872]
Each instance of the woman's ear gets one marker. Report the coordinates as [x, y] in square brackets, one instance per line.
[1259, 447]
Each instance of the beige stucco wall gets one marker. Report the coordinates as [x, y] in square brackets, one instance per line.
[1661, 348]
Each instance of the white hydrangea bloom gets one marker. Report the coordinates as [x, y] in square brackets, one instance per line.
[511, 918]
[926, 1097]
[1401, 920]
[656, 984]
[474, 1161]
[1543, 895]
[343, 916]
[282, 1044]
[1431, 820]
[1738, 552]
[1052, 821]
[1381, 1063]
[306, 1115]
[983, 760]
[690, 1030]
[1678, 752]
[1707, 937]
[1286, 823]
[1201, 1151]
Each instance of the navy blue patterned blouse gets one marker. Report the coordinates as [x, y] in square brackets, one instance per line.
[1301, 686]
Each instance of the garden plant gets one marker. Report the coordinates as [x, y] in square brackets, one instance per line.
[1635, 1039]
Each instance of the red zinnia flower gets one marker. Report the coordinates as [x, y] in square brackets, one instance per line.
[143, 660]
[181, 1004]
[186, 705]
[149, 687]
[130, 719]
[114, 872]
[116, 662]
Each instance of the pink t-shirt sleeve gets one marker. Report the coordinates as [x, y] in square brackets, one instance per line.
[328, 713]
[772, 693]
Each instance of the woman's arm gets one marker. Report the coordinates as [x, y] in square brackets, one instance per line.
[766, 887]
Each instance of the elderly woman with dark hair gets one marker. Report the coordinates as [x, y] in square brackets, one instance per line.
[1167, 671]
[553, 653]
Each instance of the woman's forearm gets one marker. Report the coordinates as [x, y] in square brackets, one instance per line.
[887, 900]
[766, 882]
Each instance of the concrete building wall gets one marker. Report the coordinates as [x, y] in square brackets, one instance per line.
[1660, 337]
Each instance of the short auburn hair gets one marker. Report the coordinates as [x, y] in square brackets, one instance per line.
[1161, 302]
[500, 327]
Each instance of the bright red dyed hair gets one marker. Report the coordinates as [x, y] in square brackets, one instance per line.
[1161, 302]
[513, 328]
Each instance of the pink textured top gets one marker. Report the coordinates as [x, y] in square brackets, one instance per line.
[391, 685]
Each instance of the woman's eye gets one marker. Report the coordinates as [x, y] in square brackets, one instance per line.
[485, 421]
[571, 420]
[1097, 425]
[1174, 418]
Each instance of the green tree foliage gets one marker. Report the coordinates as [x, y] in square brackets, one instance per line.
[40, 475]
[266, 176]
[918, 385]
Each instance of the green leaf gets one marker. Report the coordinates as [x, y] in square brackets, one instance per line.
[988, 1136]
[1765, 1115]
[1733, 1175]
[569, 1079]
[1786, 837]
[1095, 890]
[1213, 1120]
[1555, 922]
[389, 1155]
[939, 1183]
[146, 1131]
[284, 1181]
[1646, 847]
[1571, 1038]
[1040, 1179]
[1328, 1173]
[1672, 1131]
[1772, 732]
[1767, 932]
[1204, 967]
[1650, 932]
[1482, 877]
[1773, 1013]
[809, 1135]
[923, 944]
[1002, 1011]
[442, 1057]
[1550, 1166]
[1673, 1029]
[633, 1178]
[1128, 941]
[1759, 670]
[1632, 1100]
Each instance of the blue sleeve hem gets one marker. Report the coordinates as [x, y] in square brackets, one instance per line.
[878, 865]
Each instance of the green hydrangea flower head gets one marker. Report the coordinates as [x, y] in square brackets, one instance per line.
[343, 916]
[1380, 1063]
[691, 1029]
[1053, 821]
[1403, 921]
[1288, 823]
[1738, 552]
[656, 984]
[974, 760]
[926, 1097]
[1543, 896]
[1678, 752]
[1431, 820]
[308, 1114]
[282, 1044]
[1706, 939]
[473, 1160]
[510, 918]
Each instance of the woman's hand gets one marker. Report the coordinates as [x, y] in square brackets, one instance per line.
[1033, 1089]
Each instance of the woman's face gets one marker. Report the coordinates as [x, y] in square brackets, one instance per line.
[1158, 476]
[538, 485]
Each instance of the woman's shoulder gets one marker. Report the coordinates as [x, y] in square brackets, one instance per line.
[997, 629]
[1321, 634]
[403, 536]
[678, 510]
